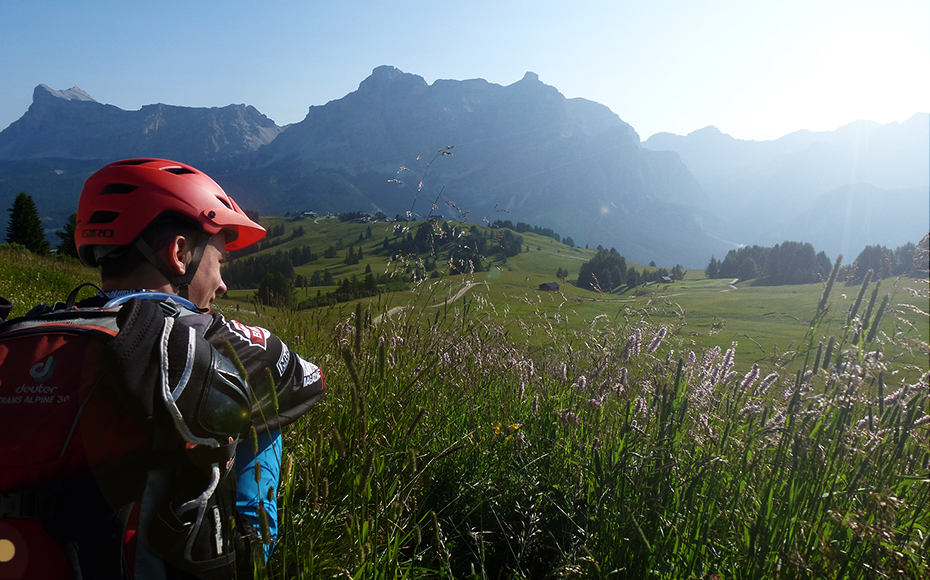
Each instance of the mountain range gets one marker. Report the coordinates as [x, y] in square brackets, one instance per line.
[864, 183]
[521, 152]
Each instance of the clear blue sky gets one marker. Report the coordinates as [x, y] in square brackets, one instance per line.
[756, 70]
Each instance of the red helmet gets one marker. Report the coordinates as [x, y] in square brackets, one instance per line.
[120, 200]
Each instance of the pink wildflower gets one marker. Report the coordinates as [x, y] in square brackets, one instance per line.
[728, 358]
[807, 377]
[657, 340]
[750, 378]
[765, 384]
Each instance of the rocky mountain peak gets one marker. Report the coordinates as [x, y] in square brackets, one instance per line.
[388, 78]
[70, 124]
[44, 93]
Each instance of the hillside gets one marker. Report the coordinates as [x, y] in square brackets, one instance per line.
[767, 319]
[524, 149]
[533, 417]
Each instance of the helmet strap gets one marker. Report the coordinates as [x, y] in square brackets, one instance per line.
[181, 281]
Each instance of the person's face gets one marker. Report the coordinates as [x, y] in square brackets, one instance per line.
[208, 282]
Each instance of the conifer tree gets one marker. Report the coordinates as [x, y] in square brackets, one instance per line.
[24, 226]
[66, 245]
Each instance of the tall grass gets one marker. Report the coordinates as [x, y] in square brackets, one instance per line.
[27, 279]
[443, 449]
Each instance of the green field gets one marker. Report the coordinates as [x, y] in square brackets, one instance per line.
[476, 427]
[769, 322]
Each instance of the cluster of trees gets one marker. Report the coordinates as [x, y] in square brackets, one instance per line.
[604, 272]
[523, 227]
[251, 271]
[276, 289]
[275, 237]
[677, 273]
[464, 250]
[318, 278]
[786, 263]
[24, 228]
[350, 216]
[797, 263]
[885, 263]
[353, 257]
[607, 271]
[351, 288]
[356, 215]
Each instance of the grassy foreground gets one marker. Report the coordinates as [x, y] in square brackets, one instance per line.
[445, 449]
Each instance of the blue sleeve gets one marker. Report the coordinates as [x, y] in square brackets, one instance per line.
[248, 492]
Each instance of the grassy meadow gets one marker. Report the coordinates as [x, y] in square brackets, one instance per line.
[476, 427]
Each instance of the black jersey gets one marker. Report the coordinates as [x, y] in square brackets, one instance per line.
[298, 384]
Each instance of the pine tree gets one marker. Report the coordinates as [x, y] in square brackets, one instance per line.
[66, 245]
[24, 226]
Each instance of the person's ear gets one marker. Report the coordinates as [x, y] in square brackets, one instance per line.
[175, 254]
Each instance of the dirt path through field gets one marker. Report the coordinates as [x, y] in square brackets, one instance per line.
[468, 286]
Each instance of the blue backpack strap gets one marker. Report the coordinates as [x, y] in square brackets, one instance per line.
[118, 298]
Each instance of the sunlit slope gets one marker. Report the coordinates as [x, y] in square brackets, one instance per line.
[767, 321]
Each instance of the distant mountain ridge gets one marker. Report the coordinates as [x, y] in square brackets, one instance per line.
[765, 192]
[522, 152]
[568, 164]
[70, 124]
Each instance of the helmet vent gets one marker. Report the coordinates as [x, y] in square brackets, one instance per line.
[224, 202]
[121, 188]
[177, 170]
[103, 217]
[132, 162]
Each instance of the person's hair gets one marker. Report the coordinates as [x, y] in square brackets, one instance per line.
[157, 234]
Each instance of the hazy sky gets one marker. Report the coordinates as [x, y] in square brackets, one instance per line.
[756, 70]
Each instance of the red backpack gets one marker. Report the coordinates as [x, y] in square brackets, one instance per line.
[89, 465]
